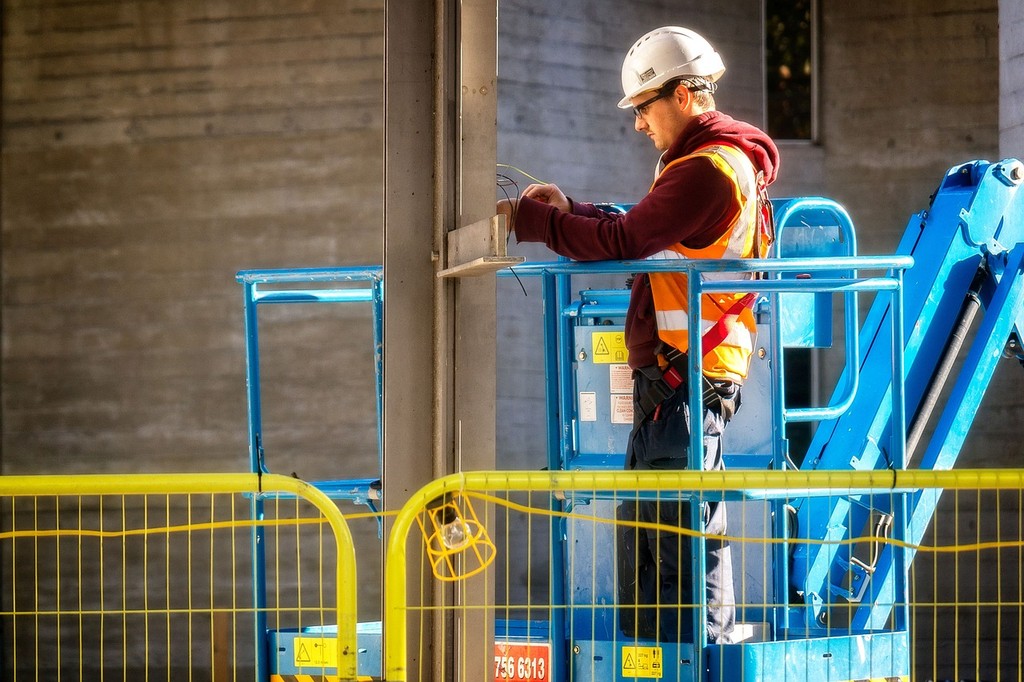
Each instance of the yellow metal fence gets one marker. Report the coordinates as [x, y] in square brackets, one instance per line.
[963, 598]
[151, 577]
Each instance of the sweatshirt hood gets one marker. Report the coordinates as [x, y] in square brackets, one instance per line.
[715, 127]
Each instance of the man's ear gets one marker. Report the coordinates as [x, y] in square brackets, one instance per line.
[683, 97]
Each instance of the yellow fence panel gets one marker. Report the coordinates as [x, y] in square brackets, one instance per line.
[482, 543]
[173, 577]
[154, 577]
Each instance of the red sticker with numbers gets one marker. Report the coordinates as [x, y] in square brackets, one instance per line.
[522, 662]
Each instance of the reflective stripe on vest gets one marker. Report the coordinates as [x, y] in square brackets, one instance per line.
[730, 359]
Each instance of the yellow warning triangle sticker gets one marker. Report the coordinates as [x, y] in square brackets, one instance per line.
[628, 664]
[302, 655]
[602, 347]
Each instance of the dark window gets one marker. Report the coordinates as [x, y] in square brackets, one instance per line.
[789, 67]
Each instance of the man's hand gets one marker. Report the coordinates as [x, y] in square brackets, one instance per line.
[548, 194]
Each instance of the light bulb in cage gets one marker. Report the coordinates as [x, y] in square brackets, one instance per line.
[456, 533]
[457, 543]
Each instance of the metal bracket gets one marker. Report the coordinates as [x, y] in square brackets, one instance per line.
[858, 571]
[1010, 172]
[479, 248]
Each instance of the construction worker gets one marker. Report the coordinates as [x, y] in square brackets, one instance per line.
[707, 201]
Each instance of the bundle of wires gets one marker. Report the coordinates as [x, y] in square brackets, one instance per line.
[504, 182]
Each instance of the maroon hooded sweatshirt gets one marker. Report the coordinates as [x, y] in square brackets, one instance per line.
[691, 204]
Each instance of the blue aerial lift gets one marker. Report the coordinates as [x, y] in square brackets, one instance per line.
[278, 650]
[968, 249]
[830, 609]
[825, 609]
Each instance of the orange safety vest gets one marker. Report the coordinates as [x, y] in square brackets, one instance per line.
[727, 316]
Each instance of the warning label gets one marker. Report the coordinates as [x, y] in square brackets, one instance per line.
[620, 379]
[622, 409]
[609, 347]
[315, 652]
[642, 661]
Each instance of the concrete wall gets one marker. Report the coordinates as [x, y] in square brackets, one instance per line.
[151, 150]
[888, 139]
[907, 91]
[1011, 79]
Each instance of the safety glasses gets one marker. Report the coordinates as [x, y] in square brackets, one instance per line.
[664, 91]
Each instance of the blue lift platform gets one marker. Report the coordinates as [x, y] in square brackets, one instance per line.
[828, 612]
[825, 610]
[275, 649]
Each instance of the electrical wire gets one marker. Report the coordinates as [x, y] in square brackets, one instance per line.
[503, 182]
[522, 172]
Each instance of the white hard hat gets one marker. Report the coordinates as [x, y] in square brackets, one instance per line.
[665, 54]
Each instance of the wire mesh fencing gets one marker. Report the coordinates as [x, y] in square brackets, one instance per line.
[519, 576]
[173, 577]
[834, 575]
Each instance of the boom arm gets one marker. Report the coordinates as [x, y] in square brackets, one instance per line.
[969, 244]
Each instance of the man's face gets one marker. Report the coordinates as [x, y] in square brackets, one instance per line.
[663, 119]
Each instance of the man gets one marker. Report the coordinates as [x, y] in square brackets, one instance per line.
[707, 201]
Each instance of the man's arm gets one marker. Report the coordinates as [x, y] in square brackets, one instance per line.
[692, 203]
[552, 196]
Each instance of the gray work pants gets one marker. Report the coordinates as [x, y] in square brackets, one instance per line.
[655, 576]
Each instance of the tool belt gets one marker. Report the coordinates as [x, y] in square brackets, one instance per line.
[720, 395]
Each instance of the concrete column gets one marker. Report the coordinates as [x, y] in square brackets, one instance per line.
[1011, 79]
[475, 378]
[409, 156]
[439, 335]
